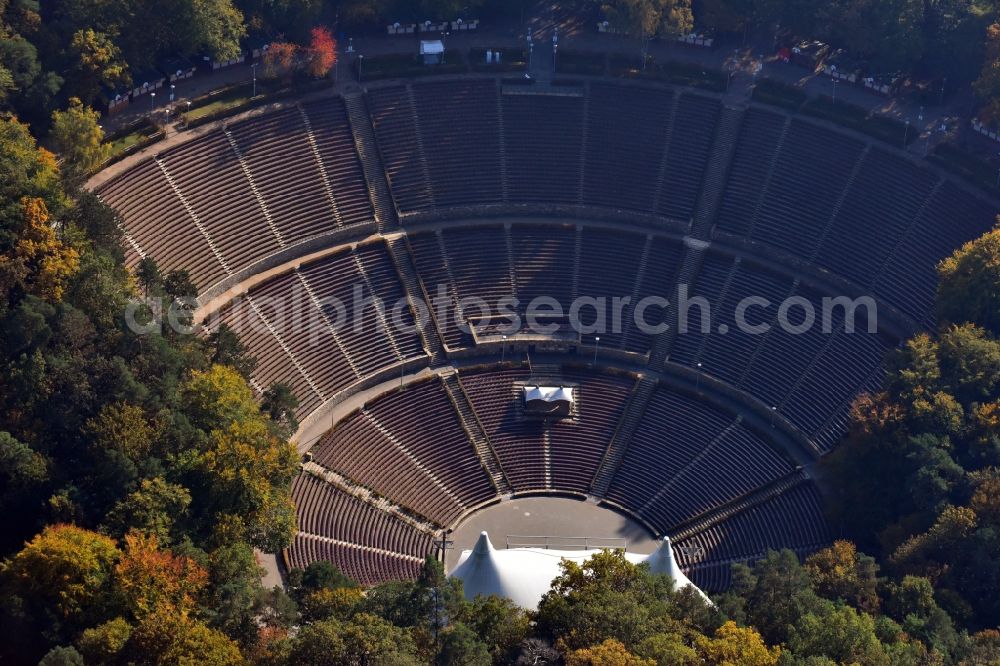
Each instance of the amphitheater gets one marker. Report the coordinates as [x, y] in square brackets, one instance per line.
[593, 188]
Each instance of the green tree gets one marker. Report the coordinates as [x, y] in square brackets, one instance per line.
[20, 467]
[218, 27]
[499, 623]
[837, 632]
[227, 349]
[104, 643]
[279, 403]
[97, 62]
[334, 642]
[460, 646]
[242, 470]
[62, 656]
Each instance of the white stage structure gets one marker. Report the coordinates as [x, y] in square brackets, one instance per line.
[523, 575]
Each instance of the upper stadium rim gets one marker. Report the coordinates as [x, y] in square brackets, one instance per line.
[612, 188]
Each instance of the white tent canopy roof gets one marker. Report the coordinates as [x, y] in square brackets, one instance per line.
[548, 394]
[523, 575]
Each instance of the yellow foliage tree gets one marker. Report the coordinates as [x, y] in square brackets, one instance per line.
[65, 568]
[737, 646]
[165, 638]
[608, 653]
[838, 572]
[79, 139]
[39, 263]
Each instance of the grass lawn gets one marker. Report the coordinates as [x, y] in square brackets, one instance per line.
[218, 105]
[138, 135]
[120, 144]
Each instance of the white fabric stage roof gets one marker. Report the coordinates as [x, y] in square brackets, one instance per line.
[523, 575]
[548, 393]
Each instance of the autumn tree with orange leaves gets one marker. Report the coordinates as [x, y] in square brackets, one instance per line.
[322, 52]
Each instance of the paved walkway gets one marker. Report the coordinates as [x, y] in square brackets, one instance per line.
[746, 62]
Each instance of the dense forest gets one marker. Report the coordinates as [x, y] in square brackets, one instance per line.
[138, 472]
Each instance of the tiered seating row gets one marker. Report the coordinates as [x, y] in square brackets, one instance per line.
[331, 132]
[411, 448]
[395, 123]
[557, 454]
[517, 442]
[808, 374]
[792, 520]
[874, 218]
[473, 266]
[686, 458]
[328, 511]
[232, 230]
[577, 446]
[323, 346]
[627, 131]
[950, 218]
[158, 223]
[442, 146]
[365, 566]
[458, 125]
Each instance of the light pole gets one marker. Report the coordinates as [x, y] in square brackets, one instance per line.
[361, 61]
[835, 82]
[597, 345]
[697, 379]
[503, 349]
[906, 133]
[152, 101]
[531, 49]
[253, 70]
[773, 411]
[172, 89]
[555, 47]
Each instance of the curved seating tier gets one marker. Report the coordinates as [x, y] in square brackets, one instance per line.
[362, 538]
[564, 262]
[301, 325]
[686, 461]
[221, 202]
[467, 142]
[792, 520]
[809, 376]
[687, 458]
[411, 448]
[368, 567]
[875, 218]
